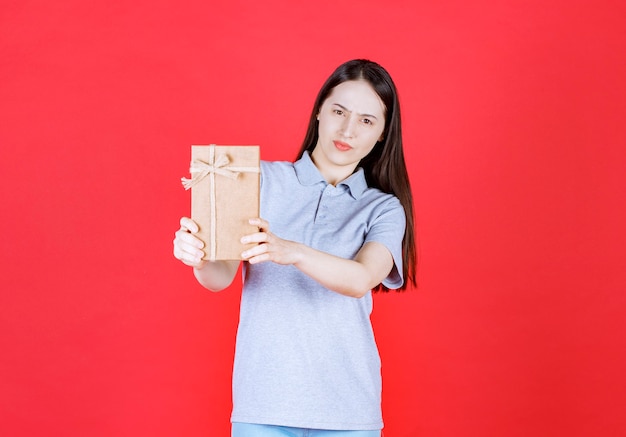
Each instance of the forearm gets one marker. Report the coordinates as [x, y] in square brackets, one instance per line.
[216, 275]
[350, 277]
[343, 276]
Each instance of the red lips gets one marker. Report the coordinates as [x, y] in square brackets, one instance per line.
[340, 145]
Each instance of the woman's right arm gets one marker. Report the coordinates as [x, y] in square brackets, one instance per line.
[213, 275]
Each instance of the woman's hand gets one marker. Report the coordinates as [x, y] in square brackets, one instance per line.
[213, 275]
[188, 247]
[270, 247]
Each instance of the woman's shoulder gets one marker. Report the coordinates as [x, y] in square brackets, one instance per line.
[276, 165]
[279, 170]
[379, 200]
[376, 193]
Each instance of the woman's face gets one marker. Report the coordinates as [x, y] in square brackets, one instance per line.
[351, 121]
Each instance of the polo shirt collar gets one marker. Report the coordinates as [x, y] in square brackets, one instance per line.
[308, 174]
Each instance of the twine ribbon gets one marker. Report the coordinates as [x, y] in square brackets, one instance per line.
[200, 169]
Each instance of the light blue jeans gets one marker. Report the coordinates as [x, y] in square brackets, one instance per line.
[252, 430]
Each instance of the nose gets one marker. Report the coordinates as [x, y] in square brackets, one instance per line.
[348, 127]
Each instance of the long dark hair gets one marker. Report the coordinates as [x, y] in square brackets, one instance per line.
[384, 166]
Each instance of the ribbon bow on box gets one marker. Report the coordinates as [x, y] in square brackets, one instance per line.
[200, 169]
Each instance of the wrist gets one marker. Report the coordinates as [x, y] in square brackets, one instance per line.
[300, 254]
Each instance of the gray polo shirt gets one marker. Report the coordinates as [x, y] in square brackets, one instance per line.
[306, 356]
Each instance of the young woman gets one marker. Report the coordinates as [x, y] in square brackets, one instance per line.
[336, 224]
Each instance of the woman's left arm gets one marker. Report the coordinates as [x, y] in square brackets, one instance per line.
[350, 277]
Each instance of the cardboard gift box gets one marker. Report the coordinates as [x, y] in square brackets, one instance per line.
[224, 196]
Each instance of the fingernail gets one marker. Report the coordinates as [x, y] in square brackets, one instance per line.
[244, 240]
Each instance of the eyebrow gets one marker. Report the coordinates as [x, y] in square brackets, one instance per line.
[362, 115]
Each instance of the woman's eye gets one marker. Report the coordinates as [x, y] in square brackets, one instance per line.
[338, 111]
[367, 121]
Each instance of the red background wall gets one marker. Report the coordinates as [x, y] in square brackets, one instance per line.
[514, 127]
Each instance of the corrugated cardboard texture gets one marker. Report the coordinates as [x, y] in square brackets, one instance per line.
[236, 201]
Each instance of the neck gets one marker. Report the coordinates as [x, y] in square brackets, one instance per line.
[333, 174]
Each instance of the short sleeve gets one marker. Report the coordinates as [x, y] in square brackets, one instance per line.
[388, 229]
